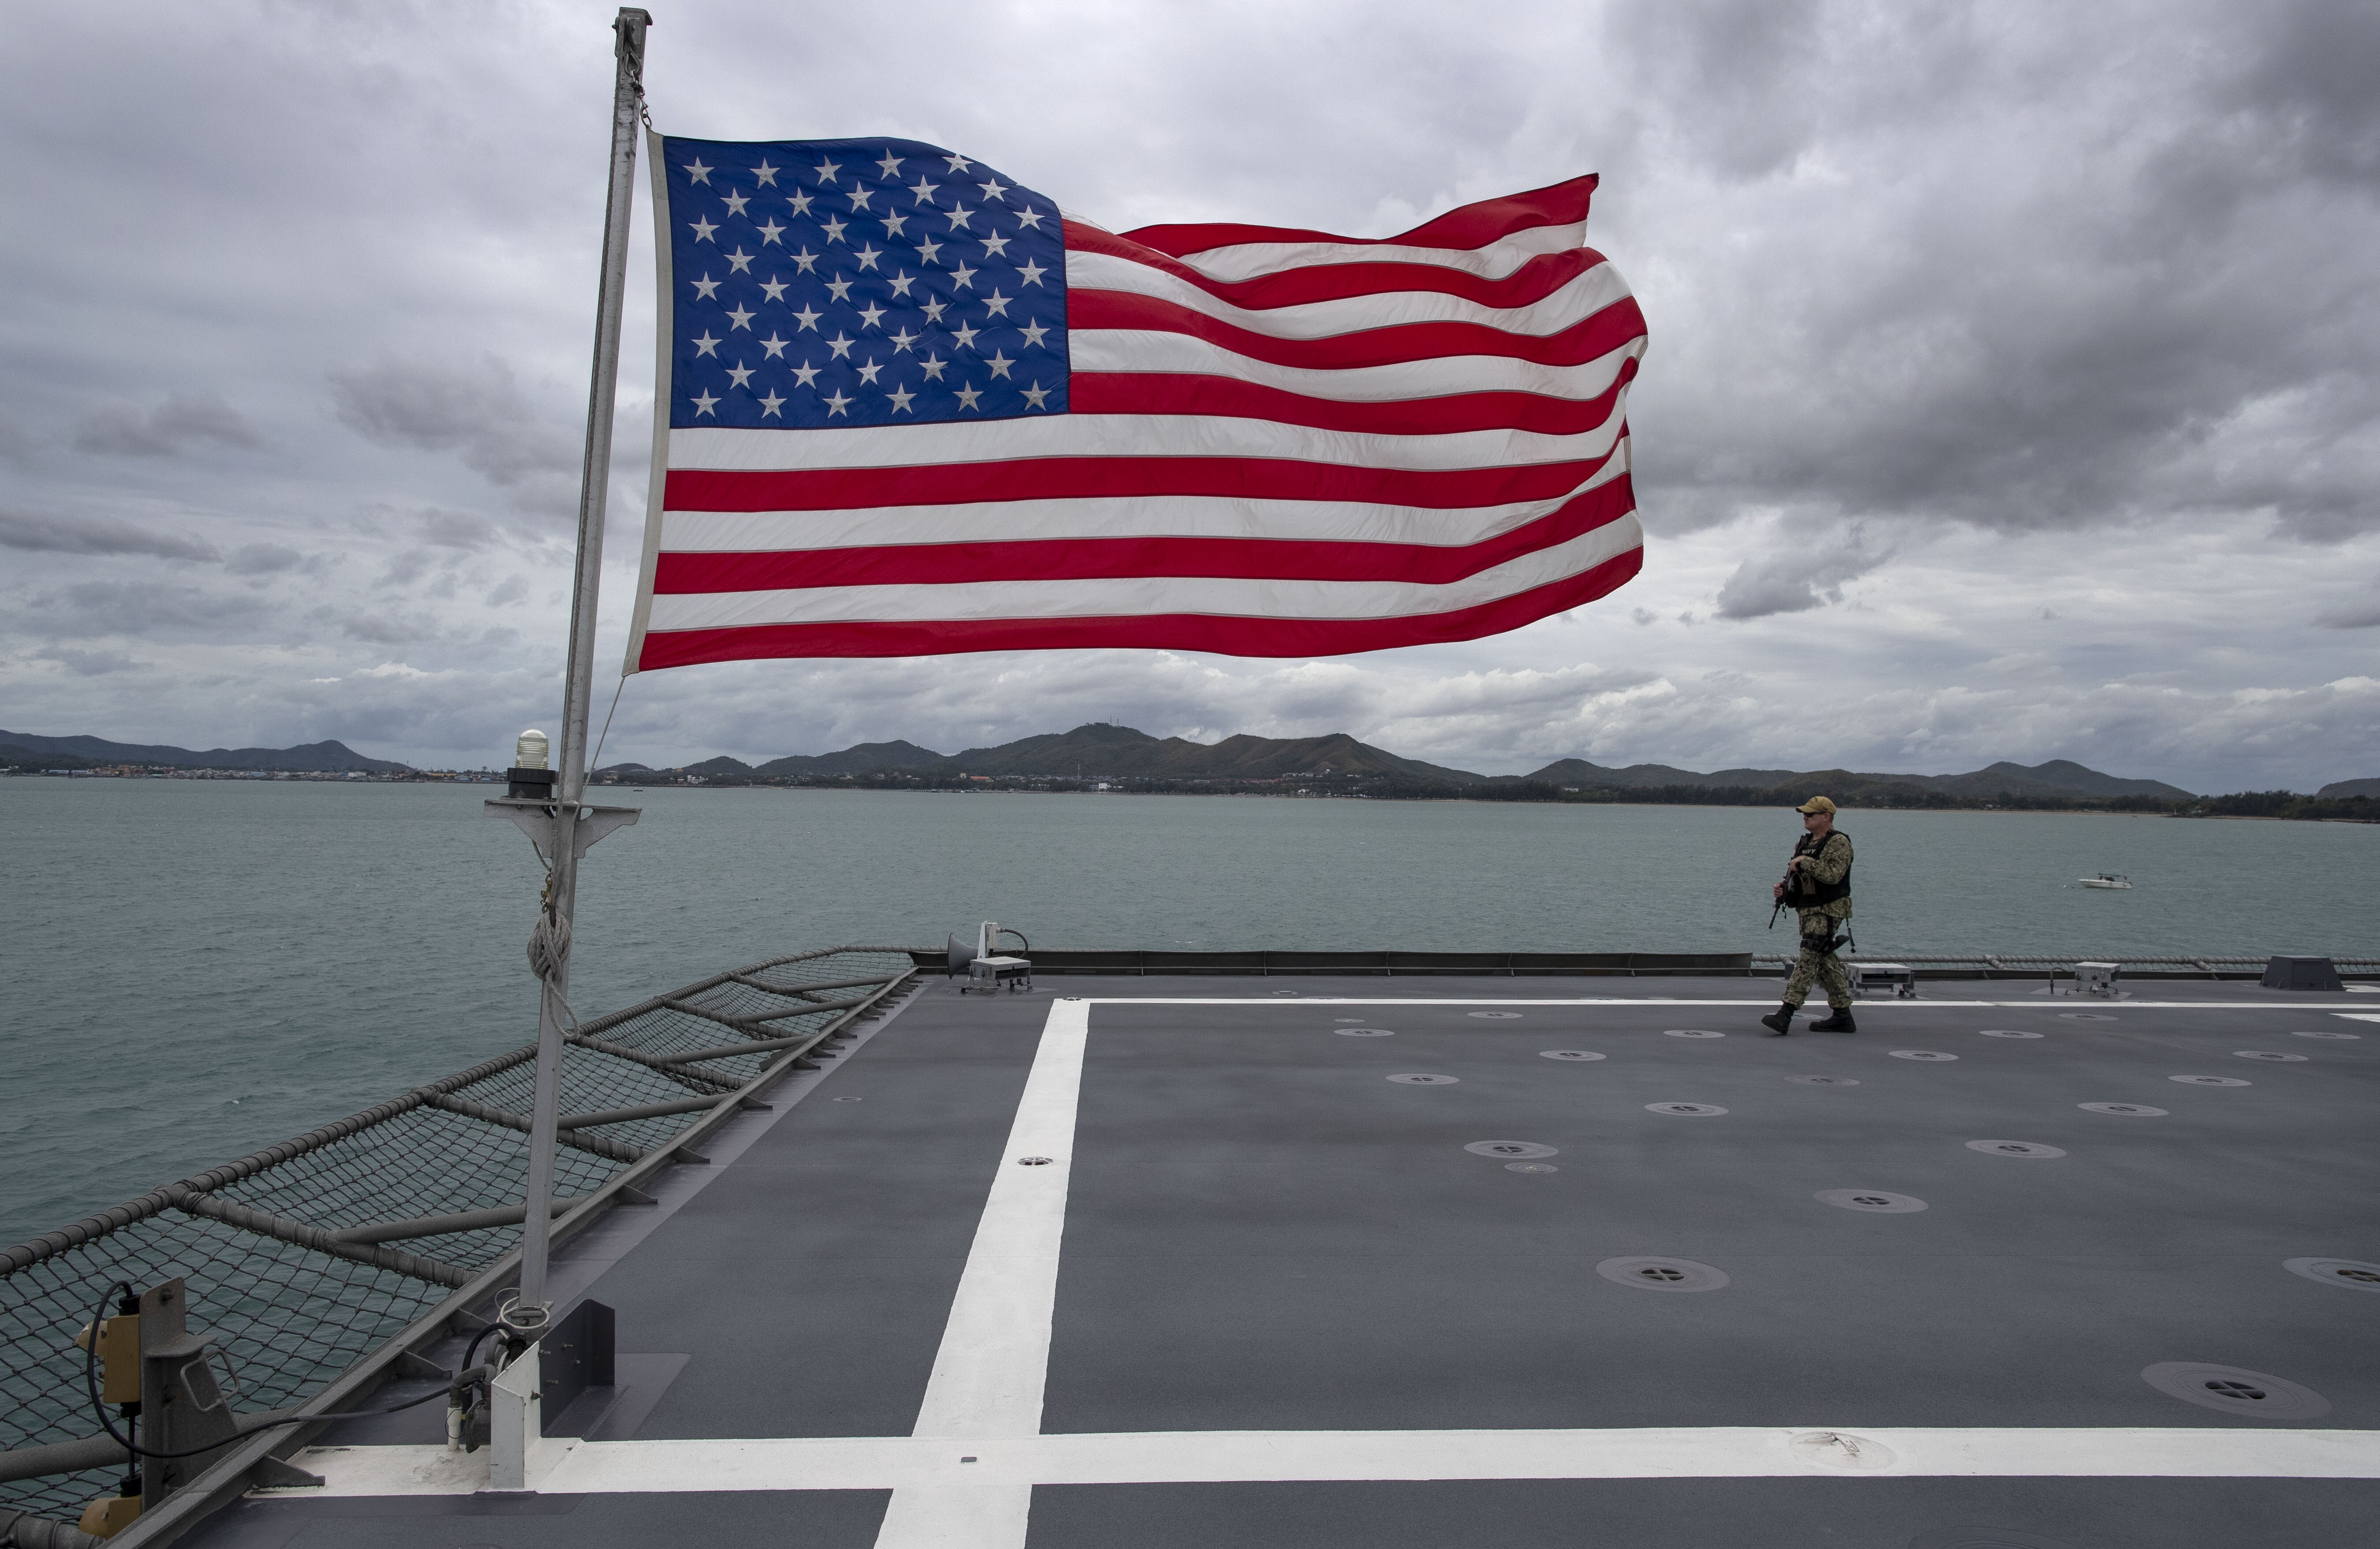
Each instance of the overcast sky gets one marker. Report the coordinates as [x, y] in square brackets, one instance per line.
[2012, 391]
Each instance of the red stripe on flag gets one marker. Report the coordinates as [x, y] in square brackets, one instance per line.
[1187, 631]
[683, 571]
[1045, 478]
[1473, 225]
[1392, 346]
[1533, 281]
[1183, 392]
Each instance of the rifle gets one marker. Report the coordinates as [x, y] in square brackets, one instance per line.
[1789, 889]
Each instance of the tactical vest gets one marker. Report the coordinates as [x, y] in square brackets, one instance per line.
[1810, 893]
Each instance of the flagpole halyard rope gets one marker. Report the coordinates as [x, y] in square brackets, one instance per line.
[595, 761]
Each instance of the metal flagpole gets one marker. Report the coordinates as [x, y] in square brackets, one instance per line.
[532, 1311]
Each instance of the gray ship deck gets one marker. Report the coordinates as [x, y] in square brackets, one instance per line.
[1262, 1294]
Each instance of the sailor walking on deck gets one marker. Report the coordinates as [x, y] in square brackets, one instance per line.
[1817, 888]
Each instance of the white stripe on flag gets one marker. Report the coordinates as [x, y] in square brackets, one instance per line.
[1121, 435]
[1245, 260]
[1139, 350]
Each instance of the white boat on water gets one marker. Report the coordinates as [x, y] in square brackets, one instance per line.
[2104, 879]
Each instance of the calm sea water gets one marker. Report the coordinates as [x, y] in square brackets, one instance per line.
[196, 969]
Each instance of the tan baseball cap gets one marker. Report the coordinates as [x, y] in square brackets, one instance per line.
[1817, 803]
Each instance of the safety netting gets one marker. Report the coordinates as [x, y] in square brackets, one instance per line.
[292, 1302]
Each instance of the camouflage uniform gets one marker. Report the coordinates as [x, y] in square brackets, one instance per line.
[1829, 863]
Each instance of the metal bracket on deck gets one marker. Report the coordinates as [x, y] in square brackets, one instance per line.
[278, 1473]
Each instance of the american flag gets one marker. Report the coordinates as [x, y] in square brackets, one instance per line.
[910, 408]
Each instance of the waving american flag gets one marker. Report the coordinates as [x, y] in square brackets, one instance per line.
[908, 408]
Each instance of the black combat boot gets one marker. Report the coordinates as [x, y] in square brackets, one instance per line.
[1780, 1021]
[1839, 1022]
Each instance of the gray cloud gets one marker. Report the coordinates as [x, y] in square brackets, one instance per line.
[456, 529]
[383, 629]
[476, 410]
[16, 445]
[1808, 575]
[126, 430]
[103, 608]
[90, 664]
[2039, 340]
[1743, 59]
[2311, 85]
[262, 559]
[96, 535]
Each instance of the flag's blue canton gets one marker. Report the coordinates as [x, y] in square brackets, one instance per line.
[859, 282]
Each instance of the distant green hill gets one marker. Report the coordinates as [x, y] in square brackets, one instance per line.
[858, 758]
[328, 757]
[15, 755]
[2059, 777]
[1103, 751]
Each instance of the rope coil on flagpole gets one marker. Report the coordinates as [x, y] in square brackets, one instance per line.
[548, 944]
[549, 939]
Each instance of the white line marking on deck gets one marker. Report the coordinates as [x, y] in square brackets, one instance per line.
[2060, 1003]
[994, 1359]
[984, 1503]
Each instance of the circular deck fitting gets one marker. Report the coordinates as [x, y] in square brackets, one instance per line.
[1825, 1081]
[1531, 1167]
[2086, 1016]
[1523, 1149]
[2014, 1148]
[1568, 1053]
[1922, 1054]
[2268, 1056]
[1425, 1080]
[2257, 1394]
[1498, 1016]
[1982, 1538]
[1033, 1161]
[1840, 1449]
[2325, 1032]
[2350, 1273]
[1363, 1031]
[2211, 1080]
[1662, 1274]
[1346, 1018]
[1685, 1110]
[1875, 1200]
[1285, 992]
[2007, 1033]
[2136, 1110]
[851, 1099]
[1690, 1033]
